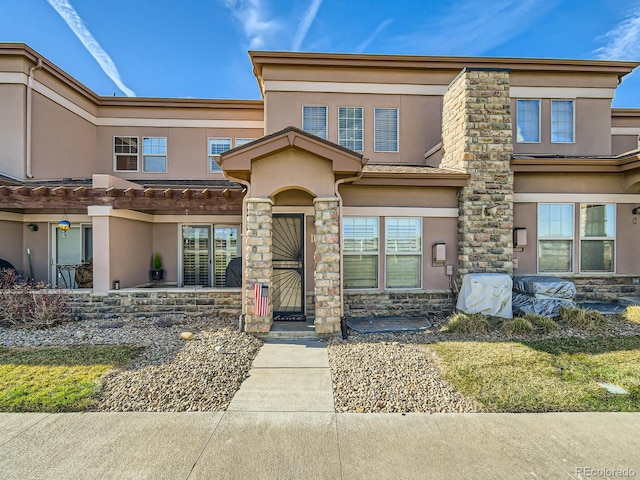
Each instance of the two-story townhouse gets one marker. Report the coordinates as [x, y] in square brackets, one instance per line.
[362, 185]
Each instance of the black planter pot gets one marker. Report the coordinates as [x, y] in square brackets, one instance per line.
[156, 275]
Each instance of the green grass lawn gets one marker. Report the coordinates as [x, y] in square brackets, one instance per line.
[56, 379]
[547, 375]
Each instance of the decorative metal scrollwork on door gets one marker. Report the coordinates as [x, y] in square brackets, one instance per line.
[288, 268]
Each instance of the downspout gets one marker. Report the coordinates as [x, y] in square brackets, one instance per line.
[28, 116]
[340, 239]
[247, 184]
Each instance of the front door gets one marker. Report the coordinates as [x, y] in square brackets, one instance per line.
[69, 250]
[288, 268]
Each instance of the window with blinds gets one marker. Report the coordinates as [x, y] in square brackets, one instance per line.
[314, 120]
[385, 129]
[195, 256]
[360, 241]
[225, 249]
[403, 249]
[215, 147]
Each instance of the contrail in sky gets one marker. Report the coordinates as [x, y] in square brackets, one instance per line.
[75, 23]
[303, 28]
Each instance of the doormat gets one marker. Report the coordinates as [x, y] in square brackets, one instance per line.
[387, 324]
[289, 317]
[603, 307]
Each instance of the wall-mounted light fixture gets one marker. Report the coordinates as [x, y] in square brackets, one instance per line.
[636, 211]
[33, 227]
[491, 209]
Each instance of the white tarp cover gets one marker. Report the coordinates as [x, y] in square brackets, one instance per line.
[486, 293]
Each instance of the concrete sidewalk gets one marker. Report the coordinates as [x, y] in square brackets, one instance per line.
[281, 425]
[301, 445]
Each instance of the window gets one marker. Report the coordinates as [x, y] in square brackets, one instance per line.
[243, 141]
[562, 121]
[350, 128]
[385, 130]
[225, 249]
[360, 240]
[528, 121]
[555, 237]
[154, 154]
[314, 120]
[597, 237]
[403, 248]
[125, 153]
[216, 147]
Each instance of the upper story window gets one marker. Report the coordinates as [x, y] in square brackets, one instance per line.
[360, 236]
[555, 237]
[216, 147]
[403, 247]
[528, 121]
[597, 237]
[350, 125]
[314, 120]
[562, 121]
[125, 154]
[243, 141]
[154, 154]
[385, 129]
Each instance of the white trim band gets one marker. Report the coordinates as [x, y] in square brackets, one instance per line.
[340, 87]
[575, 198]
[625, 130]
[560, 92]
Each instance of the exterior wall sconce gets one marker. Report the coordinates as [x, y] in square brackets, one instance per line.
[636, 211]
[490, 210]
[33, 227]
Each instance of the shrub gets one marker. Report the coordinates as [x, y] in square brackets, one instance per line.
[24, 305]
[468, 323]
[519, 326]
[632, 314]
[583, 319]
[541, 323]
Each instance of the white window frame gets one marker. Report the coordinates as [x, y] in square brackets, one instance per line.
[122, 154]
[326, 120]
[376, 254]
[375, 136]
[388, 253]
[613, 239]
[243, 141]
[212, 166]
[573, 120]
[537, 100]
[154, 155]
[344, 141]
[571, 239]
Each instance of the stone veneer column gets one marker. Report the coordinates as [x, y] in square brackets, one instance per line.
[259, 254]
[327, 265]
[477, 137]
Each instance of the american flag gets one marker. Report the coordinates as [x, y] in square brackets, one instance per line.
[261, 293]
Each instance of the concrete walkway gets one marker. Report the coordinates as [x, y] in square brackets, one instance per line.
[281, 425]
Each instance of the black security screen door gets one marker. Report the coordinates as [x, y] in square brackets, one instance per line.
[288, 268]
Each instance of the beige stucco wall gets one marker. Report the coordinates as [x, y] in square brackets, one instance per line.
[592, 129]
[186, 150]
[568, 183]
[12, 130]
[440, 230]
[628, 239]
[283, 171]
[165, 241]
[525, 216]
[369, 196]
[419, 119]
[131, 247]
[11, 243]
[64, 144]
[624, 143]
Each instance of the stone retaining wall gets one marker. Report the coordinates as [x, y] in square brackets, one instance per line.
[154, 302]
[404, 303]
[605, 288]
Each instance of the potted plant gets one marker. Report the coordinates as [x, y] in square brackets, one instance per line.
[157, 273]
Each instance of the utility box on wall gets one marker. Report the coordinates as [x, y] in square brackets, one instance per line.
[439, 254]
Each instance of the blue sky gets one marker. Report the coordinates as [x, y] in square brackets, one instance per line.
[198, 48]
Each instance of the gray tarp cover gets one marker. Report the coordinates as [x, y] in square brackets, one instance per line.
[541, 295]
